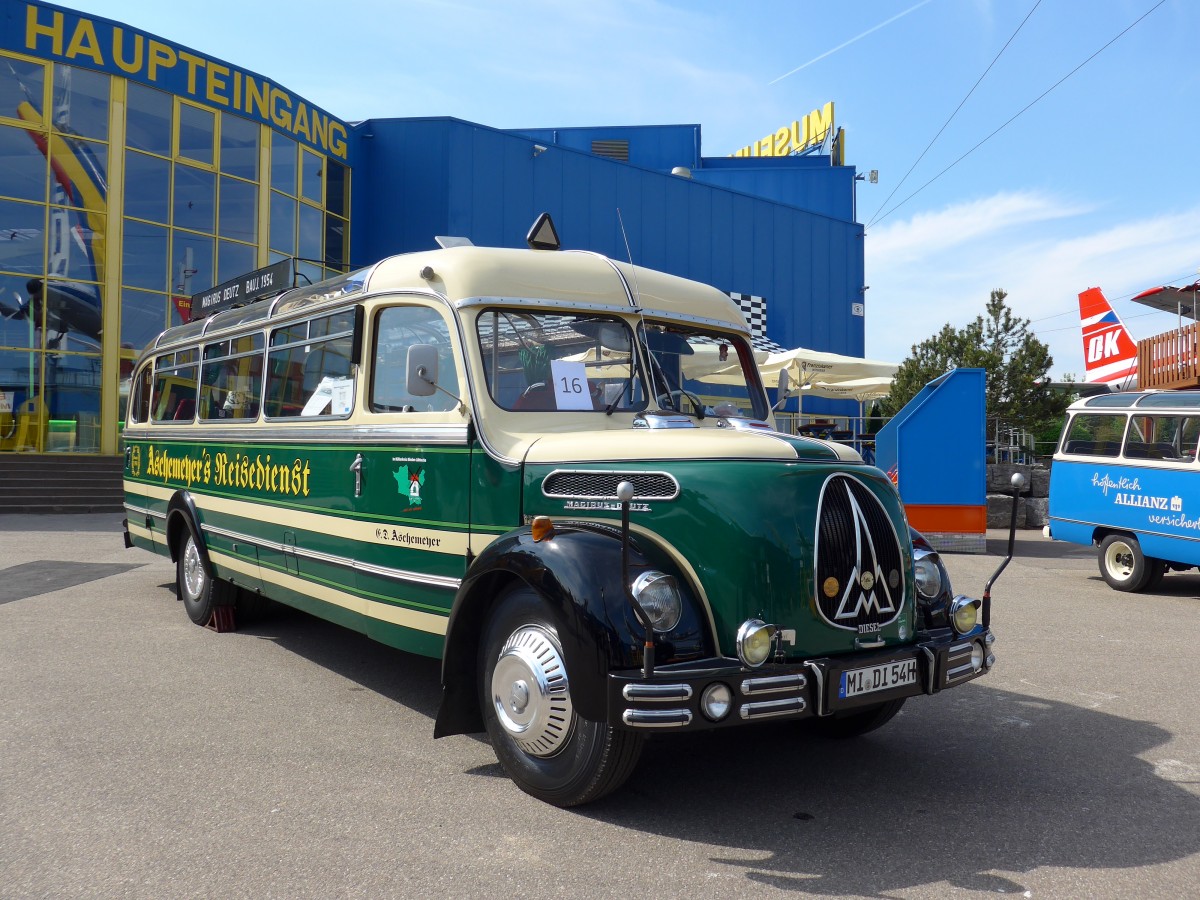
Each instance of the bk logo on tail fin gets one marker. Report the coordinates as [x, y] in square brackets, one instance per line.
[1109, 353]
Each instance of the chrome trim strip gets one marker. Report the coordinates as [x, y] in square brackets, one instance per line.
[959, 648]
[957, 673]
[656, 718]
[471, 302]
[770, 708]
[1165, 534]
[625, 472]
[341, 561]
[149, 513]
[273, 430]
[774, 684]
[930, 670]
[657, 693]
[820, 677]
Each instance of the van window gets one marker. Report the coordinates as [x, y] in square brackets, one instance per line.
[1162, 437]
[1095, 435]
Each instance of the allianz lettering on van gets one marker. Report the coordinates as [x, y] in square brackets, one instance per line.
[559, 474]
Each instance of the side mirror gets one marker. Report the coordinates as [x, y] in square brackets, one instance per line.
[422, 370]
[784, 383]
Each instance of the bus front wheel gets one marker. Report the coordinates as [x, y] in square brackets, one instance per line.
[542, 744]
[1122, 563]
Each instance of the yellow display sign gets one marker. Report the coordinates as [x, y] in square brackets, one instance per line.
[810, 131]
[101, 44]
[240, 470]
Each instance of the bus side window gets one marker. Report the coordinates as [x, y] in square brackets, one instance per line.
[398, 328]
[174, 397]
[309, 370]
[139, 406]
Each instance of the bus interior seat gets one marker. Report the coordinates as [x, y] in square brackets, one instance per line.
[186, 409]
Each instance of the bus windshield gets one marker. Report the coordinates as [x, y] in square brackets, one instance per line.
[559, 361]
[703, 372]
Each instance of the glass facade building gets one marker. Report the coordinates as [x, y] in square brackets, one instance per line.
[133, 174]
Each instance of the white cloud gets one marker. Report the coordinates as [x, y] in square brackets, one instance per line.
[940, 267]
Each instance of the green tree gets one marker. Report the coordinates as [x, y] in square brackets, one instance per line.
[1017, 365]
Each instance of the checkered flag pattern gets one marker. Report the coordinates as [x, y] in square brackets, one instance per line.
[754, 311]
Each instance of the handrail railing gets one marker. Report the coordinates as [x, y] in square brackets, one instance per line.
[1170, 360]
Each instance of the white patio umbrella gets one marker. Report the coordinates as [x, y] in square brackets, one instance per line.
[812, 366]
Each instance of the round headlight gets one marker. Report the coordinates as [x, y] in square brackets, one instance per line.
[964, 614]
[658, 594]
[754, 640]
[716, 701]
[929, 576]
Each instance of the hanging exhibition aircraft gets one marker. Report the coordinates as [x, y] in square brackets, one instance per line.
[1109, 353]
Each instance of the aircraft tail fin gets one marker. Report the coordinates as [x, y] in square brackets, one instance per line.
[1109, 353]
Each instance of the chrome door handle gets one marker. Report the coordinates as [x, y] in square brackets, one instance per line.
[356, 468]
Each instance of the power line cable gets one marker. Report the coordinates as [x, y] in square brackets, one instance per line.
[880, 218]
[953, 114]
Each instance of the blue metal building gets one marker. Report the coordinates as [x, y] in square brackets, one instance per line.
[777, 228]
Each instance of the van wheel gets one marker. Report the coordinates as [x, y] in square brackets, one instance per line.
[1122, 564]
[193, 581]
[1158, 571]
[859, 722]
[541, 742]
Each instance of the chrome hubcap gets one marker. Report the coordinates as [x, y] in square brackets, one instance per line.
[530, 692]
[193, 571]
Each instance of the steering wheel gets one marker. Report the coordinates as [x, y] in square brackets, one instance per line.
[671, 400]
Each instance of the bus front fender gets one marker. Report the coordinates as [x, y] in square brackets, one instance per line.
[577, 575]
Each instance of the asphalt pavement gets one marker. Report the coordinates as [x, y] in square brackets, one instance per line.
[141, 756]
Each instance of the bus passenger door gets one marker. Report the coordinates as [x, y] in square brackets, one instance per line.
[413, 475]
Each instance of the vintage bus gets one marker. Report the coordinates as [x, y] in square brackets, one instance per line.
[1125, 479]
[558, 473]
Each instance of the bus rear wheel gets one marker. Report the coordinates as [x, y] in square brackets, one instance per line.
[548, 749]
[194, 583]
[1122, 564]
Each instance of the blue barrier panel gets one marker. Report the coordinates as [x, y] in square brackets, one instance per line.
[934, 450]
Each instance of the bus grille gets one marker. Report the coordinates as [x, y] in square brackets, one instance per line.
[591, 485]
[860, 572]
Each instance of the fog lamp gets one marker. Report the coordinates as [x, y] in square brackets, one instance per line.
[964, 614]
[977, 656]
[754, 640]
[716, 701]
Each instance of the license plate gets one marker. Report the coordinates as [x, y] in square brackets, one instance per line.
[878, 678]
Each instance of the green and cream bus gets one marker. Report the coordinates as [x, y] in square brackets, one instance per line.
[558, 473]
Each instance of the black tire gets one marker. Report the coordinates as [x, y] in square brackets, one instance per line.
[1158, 571]
[860, 721]
[544, 746]
[1122, 564]
[192, 580]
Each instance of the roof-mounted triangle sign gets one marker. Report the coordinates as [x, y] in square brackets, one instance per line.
[543, 236]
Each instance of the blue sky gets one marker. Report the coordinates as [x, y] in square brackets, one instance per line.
[1095, 184]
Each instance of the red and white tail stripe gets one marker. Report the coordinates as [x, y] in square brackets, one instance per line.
[1109, 353]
